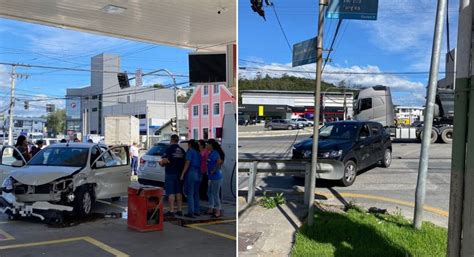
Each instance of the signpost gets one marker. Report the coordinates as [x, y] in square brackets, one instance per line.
[304, 52]
[353, 9]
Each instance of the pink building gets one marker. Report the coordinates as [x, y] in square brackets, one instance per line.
[206, 110]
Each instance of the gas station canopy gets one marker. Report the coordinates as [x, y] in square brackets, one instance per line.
[203, 25]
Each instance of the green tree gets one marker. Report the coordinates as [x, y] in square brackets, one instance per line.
[56, 121]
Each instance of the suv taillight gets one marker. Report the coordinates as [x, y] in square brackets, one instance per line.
[142, 162]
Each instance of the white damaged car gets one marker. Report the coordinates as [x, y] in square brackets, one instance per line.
[66, 177]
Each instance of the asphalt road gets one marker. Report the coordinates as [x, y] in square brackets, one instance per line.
[390, 188]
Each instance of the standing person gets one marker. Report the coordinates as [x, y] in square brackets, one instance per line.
[204, 154]
[214, 163]
[134, 154]
[22, 146]
[173, 160]
[192, 178]
[37, 148]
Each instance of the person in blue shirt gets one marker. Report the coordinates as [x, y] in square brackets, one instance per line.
[214, 173]
[191, 176]
[173, 161]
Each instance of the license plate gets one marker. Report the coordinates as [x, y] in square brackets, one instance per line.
[152, 164]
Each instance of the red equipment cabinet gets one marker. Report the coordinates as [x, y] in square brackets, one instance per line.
[145, 208]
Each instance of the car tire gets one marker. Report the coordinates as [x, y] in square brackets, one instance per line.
[387, 158]
[83, 201]
[350, 173]
[269, 127]
[290, 127]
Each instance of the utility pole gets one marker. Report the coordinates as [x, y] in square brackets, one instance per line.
[460, 233]
[430, 101]
[176, 105]
[13, 77]
[317, 102]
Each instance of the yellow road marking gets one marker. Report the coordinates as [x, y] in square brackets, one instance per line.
[212, 232]
[386, 199]
[213, 222]
[90, 240]
[6, 235]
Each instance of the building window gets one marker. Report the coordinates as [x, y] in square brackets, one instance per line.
[216, 89]
[195, 133]
[216, 110]
[205, 90]
[205, 133]
[128, 99]
[205, 109]
[86, 98]
[196, 110]
[94, 97]
[94, 109]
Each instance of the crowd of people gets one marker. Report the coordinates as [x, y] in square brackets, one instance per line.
[201, 163]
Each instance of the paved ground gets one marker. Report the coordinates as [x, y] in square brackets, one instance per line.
[390, 188]
[99, 236]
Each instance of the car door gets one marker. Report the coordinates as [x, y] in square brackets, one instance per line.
[376, 142]
[8, 162]
[363, 147]
[111, 170]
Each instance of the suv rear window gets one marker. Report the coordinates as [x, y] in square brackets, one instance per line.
[157, 150]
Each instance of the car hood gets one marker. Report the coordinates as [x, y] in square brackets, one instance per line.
[324, 144]
[39, 175]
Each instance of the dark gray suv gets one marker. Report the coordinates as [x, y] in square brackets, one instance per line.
[282, 124]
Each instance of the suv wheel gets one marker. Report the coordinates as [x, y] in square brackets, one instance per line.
[83, 201]
[387, 158]
[350, 173]
[270, 127]
[290, 127]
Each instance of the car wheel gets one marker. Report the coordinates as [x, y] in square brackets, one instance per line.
[55, 219]
[350, 173]
[290, 127]
[83, 201]
[387, 158]
[270, 127]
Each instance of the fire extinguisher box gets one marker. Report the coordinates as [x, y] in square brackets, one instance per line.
[145, 208]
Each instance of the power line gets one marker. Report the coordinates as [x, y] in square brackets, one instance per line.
[332, 44]
[254, 69]
[281, 27]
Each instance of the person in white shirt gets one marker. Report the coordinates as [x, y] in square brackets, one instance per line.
[134, 155]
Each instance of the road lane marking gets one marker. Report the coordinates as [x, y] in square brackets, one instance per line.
[387, 199]
[90, 240]
[199, 226]
[214, 222]
[113, 204]
[4, 236]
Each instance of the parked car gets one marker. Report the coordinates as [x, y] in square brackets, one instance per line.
[64, 177]
[303, 121]
[350, 146]
[150, 172]
[282, 124]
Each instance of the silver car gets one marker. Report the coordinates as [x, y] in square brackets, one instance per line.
[282, 124]
[303, 121]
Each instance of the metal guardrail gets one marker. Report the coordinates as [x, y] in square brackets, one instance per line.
[252, 167]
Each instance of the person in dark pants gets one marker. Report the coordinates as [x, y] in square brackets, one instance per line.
[191, 176]
[204, 154]
[37, 148]
[173, 161]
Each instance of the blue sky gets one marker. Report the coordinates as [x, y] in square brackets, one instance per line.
[29, 43]
[399, 41]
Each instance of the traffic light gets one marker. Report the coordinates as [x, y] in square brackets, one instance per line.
[27, 105]
[257, 6]
[123, 80]
[50, 108]
[173, 125]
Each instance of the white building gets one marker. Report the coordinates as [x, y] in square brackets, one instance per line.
[408, 115]
[86, 107]
[24, 125]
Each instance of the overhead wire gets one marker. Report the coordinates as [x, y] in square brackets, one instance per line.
[332, 44]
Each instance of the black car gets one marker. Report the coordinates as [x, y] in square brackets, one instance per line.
[351, 145]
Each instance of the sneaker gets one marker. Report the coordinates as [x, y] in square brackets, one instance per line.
[179, 213]
[188, 216]
[169, 214]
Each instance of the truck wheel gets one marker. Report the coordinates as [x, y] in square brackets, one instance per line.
[447, 136]
[83, 201]
[434, 135]
[350, 173]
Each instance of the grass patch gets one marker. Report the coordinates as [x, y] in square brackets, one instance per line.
[359, 234]
[271, 202]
